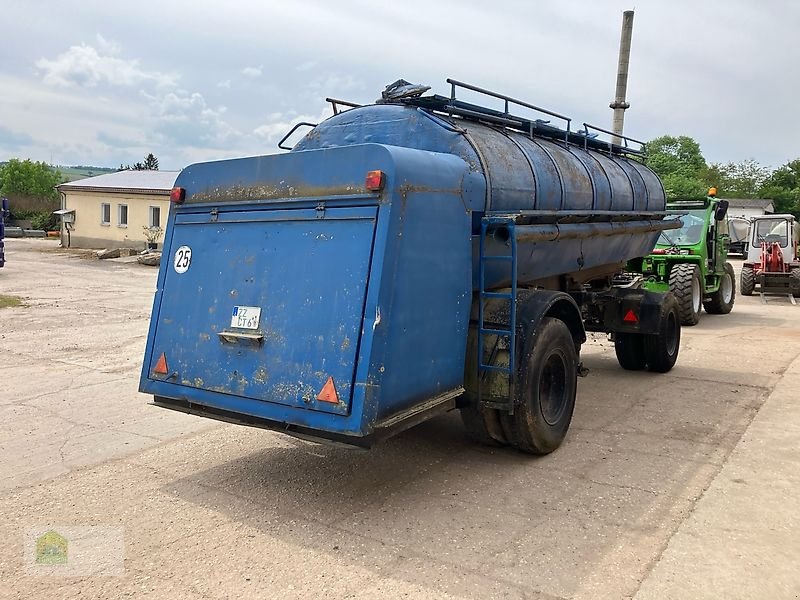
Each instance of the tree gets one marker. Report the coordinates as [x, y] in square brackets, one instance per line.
[680, 164]
[29, 179]
[783, 188]
[150, 164]
[738, 180]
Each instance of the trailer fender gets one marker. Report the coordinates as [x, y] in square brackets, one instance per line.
[535, 305]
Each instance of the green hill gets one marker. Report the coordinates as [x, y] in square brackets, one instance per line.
[82, 172]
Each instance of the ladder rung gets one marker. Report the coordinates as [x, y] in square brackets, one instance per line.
[505, 295]
[496, 332]
[494, 368]
[502, 257]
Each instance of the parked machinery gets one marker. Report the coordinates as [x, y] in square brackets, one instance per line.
[772, 265]
[692, 261]
[404, 259]
[738, 228]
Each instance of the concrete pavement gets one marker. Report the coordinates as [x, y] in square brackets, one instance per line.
[673, 486]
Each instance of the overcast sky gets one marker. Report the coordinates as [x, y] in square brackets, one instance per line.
[104, 83]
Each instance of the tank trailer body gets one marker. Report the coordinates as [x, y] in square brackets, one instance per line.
[404, 259]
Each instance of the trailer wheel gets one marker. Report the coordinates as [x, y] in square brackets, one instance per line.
[794, 282]
[747, 282]
[721, 301]
[629, 348]
[661, 350]
[547, 383]
[482, 425]
[687, 285]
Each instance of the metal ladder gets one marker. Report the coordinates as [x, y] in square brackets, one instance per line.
[488, 225]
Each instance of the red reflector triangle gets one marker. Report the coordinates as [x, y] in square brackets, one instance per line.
[630, 317]
[328, 392]
[161, 365]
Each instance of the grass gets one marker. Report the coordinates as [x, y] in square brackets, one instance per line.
[73, 173]
[9, 301]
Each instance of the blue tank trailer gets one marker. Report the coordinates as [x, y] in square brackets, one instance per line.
[404, 259]
[4, 212]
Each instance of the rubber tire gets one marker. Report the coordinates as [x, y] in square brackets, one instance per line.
[482, 425]
[629, 348]
[794, 282]
[551, 345]
[716, 304]
[747, 281]
[681, 278]
[661, 350]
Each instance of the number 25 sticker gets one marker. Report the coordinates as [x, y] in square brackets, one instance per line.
[183, 258]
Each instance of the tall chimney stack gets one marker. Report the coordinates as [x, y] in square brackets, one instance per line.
[619, 104]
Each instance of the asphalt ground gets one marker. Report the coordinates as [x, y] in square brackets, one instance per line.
[681, 485]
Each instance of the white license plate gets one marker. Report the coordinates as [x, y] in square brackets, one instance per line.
[246, 317]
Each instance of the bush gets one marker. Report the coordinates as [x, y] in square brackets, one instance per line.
[45, 221]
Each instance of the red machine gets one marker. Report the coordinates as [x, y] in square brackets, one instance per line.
[772, 263]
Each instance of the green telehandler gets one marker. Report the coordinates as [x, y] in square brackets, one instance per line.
[692, 262]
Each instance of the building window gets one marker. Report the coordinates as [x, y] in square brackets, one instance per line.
[122, 215]
[155, 216]
[105, 214]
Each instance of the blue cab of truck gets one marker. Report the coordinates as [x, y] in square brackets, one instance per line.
[407, 258]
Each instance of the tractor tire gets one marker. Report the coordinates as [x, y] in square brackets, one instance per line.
[661, 350]
[629, 348]
[547, 379]
[747, 281]
[721, 301]
[482, 425]
[794, 282]
[687, 286]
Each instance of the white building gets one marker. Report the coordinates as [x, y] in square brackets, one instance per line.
[112, 210]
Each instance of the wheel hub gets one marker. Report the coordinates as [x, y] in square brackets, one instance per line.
[552, 388]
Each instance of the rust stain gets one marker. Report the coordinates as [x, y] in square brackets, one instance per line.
[204, 337]
[346, 343]
[274, 191]
[238, 380]
[261, 375]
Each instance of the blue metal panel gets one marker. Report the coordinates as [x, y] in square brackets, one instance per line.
[404, 307]
[549, 190]
[621, 189]
[509, 173]
[307, 275]
[656, 199]
[638, 184]
[578, 180]
[575, 179]
[602, 187]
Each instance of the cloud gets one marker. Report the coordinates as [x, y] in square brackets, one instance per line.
[225, 84]
[13, 139]
[307, 66]
[185, 118]
[118, 141]
[278, 124]
[253, 72]
[85, 66]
